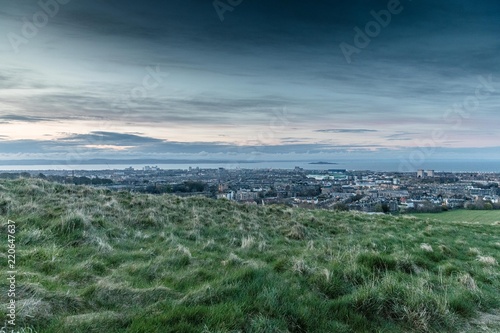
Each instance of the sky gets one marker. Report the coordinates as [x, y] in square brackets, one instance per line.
[249, 80]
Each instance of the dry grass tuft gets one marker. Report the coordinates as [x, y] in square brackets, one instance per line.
[33, 308]
[426, 247]
[299, 266]
[474, 251]
[247, 242]
[468, 281]
[102, 245]
[297, 232]
[487, 260]
[233, 260]
[183, 250]
[262, 246]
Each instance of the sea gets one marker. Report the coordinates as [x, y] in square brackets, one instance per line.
[381, 165]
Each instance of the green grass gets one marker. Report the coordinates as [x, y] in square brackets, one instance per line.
[91, 260]
[463, 215]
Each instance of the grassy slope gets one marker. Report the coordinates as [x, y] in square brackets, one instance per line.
[95, 261]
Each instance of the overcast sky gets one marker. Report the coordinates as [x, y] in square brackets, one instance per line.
[279, 80]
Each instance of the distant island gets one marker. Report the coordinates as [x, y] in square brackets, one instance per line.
[331, 163]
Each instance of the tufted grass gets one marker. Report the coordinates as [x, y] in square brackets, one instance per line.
[91, 260]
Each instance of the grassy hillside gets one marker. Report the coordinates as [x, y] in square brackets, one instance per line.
[97, 261]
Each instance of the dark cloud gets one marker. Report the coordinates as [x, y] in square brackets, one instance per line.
[346, 130]
[119, 139]
[402, 136]
[19, 118]
[140, 146]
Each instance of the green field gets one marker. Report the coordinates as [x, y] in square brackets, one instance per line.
[463, 215]
[92, 260]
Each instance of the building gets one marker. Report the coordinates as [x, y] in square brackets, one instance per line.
[481, 192]
[244, 195]
[229, 195]
[420, 174]
[430, 173]
[223, 188]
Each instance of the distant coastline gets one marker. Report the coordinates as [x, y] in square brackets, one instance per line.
[323, 163]
[386, 165]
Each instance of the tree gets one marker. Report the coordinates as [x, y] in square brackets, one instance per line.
[382, 208]
[479, 203]
[341, 207]
[271, 193]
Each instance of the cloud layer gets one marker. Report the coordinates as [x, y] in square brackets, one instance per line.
[270, 77]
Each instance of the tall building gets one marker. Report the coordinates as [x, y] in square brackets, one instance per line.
[420, 174]
[430, 173]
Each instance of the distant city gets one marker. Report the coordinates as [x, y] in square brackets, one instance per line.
[335, 188]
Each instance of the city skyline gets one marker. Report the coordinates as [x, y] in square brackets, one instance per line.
[240, 80]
